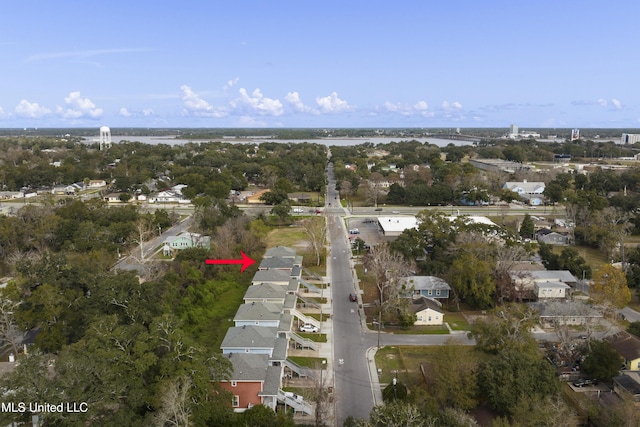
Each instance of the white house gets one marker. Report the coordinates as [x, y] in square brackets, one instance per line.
[428, 312]
[556, 290]
[532, 192]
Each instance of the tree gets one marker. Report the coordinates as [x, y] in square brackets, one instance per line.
[634, 328]
[513, 377]
[527, 227]
[397, 414]
[472, 280]
[316, 229]
[388, 268]
[550, 411]
[509, 328]
[454, 380]
[609, 287]
[602, 361]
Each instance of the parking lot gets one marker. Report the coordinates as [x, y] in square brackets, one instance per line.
[368, 230]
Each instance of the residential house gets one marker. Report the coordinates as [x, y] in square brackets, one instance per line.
[254, 199]
[628, 345]
[556, 290]
[11, 194]
[258, 314]
[112, 198]
[428, 311]
[549, 237]
[277, 277]
[185, 241]
[525, 280]
[255, 340]
[253, 381]
[280, 263]
[280, 251]
[393, 226]
[427, 286]
[570, 313]
[168, 196]
[67, 190]
[97, 183]
[266, 292]
[301, 198]
[531, 192]
[627, 384]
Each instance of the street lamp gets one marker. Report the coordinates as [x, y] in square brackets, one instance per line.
[324, 363]
[395, 384]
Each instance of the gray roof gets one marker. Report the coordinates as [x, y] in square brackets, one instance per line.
[277, 262]
[280, 349]
[249, 367]
[294, 285]
[426, 283]
[272, 381]
[286, 320]
[544, 275]
[566, 309]
[267, 291]
[280, 251]
[290, 302]
[258, 311]
[552, 285]
[249, 337]
[265, 276]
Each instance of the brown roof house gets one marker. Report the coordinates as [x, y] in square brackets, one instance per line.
[628, 346]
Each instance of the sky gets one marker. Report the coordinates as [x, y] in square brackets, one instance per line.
[320, 64]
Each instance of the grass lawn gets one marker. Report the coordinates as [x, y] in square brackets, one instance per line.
[313, 337]
[287, 236]
[456, 321]
[308, 362]
[427, 330]
[316, 316]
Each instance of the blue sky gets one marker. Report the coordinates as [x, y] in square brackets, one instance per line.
[320, 63]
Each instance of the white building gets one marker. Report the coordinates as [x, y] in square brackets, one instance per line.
[629, 138]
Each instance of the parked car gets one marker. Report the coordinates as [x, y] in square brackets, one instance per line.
[353, 298]
[307, 327]
[585, 382]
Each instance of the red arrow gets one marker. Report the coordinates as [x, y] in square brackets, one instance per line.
[245, 261]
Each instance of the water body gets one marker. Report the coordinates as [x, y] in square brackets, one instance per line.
[325, 141]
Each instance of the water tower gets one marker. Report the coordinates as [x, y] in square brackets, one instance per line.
[105, 138]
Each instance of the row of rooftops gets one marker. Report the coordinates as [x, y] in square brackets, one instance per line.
[258, 352]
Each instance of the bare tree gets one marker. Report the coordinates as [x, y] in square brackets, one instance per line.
[174, 403]
[9, 333]
[316, 229]
[142, 231]
[374, 187]
[506, 257]
[320, 394]
[389, 269]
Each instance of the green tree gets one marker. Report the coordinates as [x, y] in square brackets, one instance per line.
[602, 361]
[527, 227]
[454, 380]
[634, 328]
[513, 377]
[472, 280]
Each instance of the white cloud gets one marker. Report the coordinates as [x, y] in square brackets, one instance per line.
[602, 102]
[231, 83]
[194, 105]
[616, 103]
[79, 107]
[421, 106]
[31, 110]
[333, 104]
[259, 103]
[451, 106]
[1, 112]
[147, 112]
[293, 98]
[125, 113]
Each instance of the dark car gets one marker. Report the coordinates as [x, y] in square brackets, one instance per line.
[378, 209]
[353, 298]
[585, 382]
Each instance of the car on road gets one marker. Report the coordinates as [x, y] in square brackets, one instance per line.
[395, 212]
[298, 210]
[307, 327]
[318, 211]
[584, 383]
[353, 298]
[378, 209]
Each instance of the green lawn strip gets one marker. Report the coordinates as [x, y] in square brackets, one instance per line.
[308, 362]
[426, 330]
[316, 316]
[314, 337]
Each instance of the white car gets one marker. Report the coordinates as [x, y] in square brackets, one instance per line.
[298, 210]
[308, 328]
